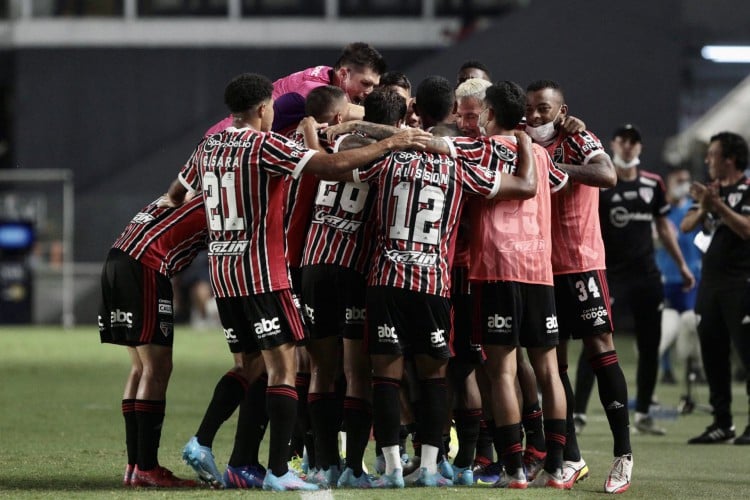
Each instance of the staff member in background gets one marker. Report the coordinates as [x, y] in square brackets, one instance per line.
[723, 207]
[626, 212]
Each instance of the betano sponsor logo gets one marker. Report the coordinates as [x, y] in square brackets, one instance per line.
[213, 143]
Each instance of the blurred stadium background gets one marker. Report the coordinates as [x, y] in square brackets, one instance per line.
[102, 100]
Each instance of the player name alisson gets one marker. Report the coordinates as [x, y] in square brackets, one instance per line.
[409, 172]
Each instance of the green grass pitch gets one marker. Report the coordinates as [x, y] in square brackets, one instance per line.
[62, 433]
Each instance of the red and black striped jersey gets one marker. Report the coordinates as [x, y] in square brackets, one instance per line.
[165, 239]
[576, 232]
[417, 208]
[300, 199]
[341, 232]
[241, 175]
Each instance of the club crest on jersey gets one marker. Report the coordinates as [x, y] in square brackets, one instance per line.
[733, 199]
[142, 218]
[227, 247]
[646, 193]
[505, 153]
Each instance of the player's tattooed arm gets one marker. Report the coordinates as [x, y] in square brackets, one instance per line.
[598, 172]
[374, 130]
[331, 167]
[354, 141]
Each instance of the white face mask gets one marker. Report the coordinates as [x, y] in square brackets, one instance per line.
[680, 190]
[619, 162]
[543, 133]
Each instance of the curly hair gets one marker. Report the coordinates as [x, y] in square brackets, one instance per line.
[247, 91]
[435, 97]
[508, 100]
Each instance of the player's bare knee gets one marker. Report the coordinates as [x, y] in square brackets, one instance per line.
[597, 344]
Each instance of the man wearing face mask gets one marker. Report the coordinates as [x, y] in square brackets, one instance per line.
[581, 292]
[627, 212]
[681, 322]
[469, 105]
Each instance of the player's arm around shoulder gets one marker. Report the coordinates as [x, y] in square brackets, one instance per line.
[597, 169]
[522, 185]
[333, 166]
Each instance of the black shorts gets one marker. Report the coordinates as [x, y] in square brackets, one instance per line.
[724, 317]
[466, 350]
[334, 301]
[136, 307]
[512, 314]
[583, 304]
[404, 322]
[260, 322]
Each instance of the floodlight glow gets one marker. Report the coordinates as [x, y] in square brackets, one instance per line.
[727, 53]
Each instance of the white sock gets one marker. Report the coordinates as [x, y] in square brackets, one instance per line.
[392, 458]
[640, 416]
[429, 458]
